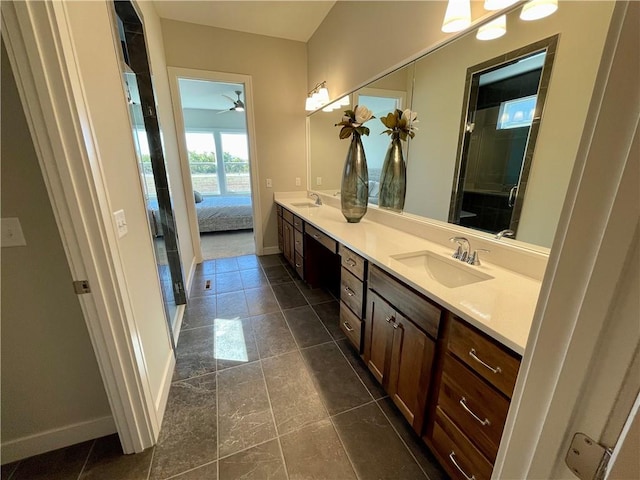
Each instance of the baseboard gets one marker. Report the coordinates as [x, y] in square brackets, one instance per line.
[56, 438]
[161, 402]
[270, 250]
[177, 322]
[191, 274]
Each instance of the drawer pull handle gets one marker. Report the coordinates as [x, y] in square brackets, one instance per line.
[347, 326]
[351, 262]
[390, 319]
[396, 325]
[452, 457]
[350, 292]
[316, 236]
[463, 403]
[472, 354]
[298, 265]
[297, 242]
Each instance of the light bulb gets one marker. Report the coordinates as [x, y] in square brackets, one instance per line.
[323, 95]
[536, 9]
[494, 29]
[310, 105]
[498, 4]
[457, 16]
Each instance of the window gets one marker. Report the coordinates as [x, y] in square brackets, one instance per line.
[219, 162]
[517, 113]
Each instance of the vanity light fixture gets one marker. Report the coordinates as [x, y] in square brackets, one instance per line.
[344, 101]
[536, 9]
[494, 29]
[498, 4]
[457, 16]
[317, 97]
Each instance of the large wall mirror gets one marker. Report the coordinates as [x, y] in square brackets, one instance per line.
[512, 169]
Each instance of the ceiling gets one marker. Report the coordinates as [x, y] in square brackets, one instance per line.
[290, 20]
[208, 95]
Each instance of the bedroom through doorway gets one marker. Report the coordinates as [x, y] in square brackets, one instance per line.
[217, 149]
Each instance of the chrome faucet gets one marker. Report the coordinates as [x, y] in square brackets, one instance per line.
[474, 258]
[462, 252]
[505, 233]
[317, 197]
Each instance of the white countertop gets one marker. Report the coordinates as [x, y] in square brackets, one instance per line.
[502, 306]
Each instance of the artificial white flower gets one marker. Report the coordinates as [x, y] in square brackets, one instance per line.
[363, 114]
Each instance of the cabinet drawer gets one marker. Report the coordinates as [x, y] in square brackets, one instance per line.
[287, 215]
[298, 242]
[460, 458]
[352, 262]
[351, 291]
[409, 302]
[299, 265]
[474, 406]
[321, 237]
[297, 223]
[485, 356]
[351, 326]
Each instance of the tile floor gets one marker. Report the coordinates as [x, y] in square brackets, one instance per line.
[266, 386]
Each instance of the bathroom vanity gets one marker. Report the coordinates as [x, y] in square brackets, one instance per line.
[442, 337]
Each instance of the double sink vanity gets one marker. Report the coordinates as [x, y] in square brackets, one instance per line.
[443, 338]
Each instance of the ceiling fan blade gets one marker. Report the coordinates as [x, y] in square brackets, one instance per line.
[227, 96]
[225, 111]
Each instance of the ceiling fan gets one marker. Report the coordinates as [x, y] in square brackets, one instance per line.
[238, 105]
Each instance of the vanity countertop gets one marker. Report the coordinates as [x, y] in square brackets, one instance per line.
[502, 306]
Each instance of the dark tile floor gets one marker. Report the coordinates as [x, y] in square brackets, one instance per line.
[266, 386]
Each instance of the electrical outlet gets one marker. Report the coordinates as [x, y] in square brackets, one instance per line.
[269, 183]
[12, 235]
[121, 223]
[318, 180]
[297, 181]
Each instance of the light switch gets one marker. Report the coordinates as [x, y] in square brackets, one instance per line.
[121, 223]
[12, 235]
[298, 181]
[269, 183]
[318, 180]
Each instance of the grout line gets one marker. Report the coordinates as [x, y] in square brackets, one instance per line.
[13, 472]
[354, 371]
[153, 454]
[86, 460]
[402, 440]
[191, 470]
[273, 418]
[346, 452]
[217, 423]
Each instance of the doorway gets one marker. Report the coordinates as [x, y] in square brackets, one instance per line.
[216, 148]
[498, 136]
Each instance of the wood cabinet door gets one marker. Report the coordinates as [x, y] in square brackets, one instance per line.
[410, 373]
[378, 337]
[288, 239]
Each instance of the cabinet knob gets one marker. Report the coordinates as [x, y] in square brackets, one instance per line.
[390, 319]
[351, 261]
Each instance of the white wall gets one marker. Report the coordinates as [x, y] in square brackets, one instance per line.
[51, 388]
[91, 30]
[278, 71]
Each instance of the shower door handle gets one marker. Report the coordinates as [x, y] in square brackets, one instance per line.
[512, 195]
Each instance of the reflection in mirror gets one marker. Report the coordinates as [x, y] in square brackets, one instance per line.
[435, 88]
[498, 137]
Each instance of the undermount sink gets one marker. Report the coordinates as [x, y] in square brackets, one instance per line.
[305, 204]
[447, 271]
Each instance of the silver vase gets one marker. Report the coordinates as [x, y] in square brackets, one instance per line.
[354, 192]
[393, 179]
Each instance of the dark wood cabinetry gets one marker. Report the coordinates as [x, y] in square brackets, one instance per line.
[398, 349]
[471, 400]
[452, 382]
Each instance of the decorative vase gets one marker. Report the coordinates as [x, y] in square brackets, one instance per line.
[354, 192]
[393, 178]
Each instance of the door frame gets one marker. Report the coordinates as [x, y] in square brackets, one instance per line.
[211, 76]
[42, 56]
[595, 234]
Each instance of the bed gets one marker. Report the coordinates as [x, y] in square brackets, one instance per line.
[215, 214]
